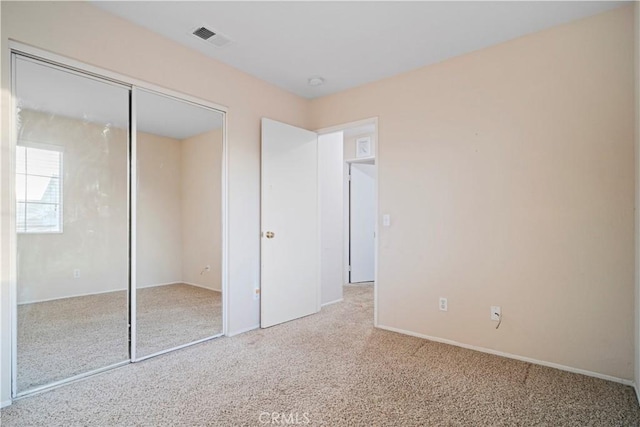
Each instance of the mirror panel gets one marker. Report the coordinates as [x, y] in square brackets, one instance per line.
[178, 222]
[72, 224]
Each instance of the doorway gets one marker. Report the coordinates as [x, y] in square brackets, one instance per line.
[360, 207]
[318, 197]
[353, 219]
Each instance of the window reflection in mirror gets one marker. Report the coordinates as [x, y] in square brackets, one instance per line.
[38, 190]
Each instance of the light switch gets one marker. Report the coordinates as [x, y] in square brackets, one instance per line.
[386, 220]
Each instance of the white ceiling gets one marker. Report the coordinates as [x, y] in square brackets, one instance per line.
[175, 119]
[51, 90]
[346, 43]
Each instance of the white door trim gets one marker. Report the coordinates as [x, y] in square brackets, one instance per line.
[133, 226]
[13, 236]
[343, 126]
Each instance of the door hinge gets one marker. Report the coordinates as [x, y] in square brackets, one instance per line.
[349, 268]
[349, 177]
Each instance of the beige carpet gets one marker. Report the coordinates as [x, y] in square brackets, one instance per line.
[337, 370]
[172, 315]
[62, 338]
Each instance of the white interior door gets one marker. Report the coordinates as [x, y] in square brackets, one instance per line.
[362, 223]
[290, 286]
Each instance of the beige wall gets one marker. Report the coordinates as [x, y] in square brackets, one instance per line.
[178, 204]
[509, 177]
[179, 221]
[95, 235]
[179, 210]
[159, 212]
[201, 160]
[83, 32]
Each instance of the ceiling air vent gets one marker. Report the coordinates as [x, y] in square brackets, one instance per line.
[204, 33]
[211, 36]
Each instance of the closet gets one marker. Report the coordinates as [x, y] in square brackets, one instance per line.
[119, 220]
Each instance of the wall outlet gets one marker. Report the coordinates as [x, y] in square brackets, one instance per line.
[495, 313]
[76, 273]
[443, 304]
[256, 293]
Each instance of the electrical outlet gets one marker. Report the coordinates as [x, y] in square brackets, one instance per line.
[495, 313]
[443, 304]
[256, 293]
[76, 273]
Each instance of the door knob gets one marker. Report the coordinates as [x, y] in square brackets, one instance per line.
[270, 234]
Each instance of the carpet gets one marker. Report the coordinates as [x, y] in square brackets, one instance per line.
[331, 369]
[172, 315]
[62, 338]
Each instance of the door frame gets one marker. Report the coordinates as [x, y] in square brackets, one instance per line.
[58, 61]
[342, 127]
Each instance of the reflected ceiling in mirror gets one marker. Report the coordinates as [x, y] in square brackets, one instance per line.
[177, 119]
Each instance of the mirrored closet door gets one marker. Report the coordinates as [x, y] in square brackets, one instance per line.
[178, 217]
[72, 206]
[118, 216]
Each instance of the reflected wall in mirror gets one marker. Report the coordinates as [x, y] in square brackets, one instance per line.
[178, 222]
[72, 224]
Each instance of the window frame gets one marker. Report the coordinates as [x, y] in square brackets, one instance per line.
[27, 144]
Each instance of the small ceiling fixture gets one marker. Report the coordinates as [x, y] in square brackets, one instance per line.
[315, 81]
[211, 36]
[204, 33]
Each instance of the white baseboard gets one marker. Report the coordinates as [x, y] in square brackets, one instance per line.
[155, 285]
[201, 286]
[71, 296]
[637, 388]
[96, 293]
[512, 356]
[5, 403]
[332, 302]
[242, 331]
